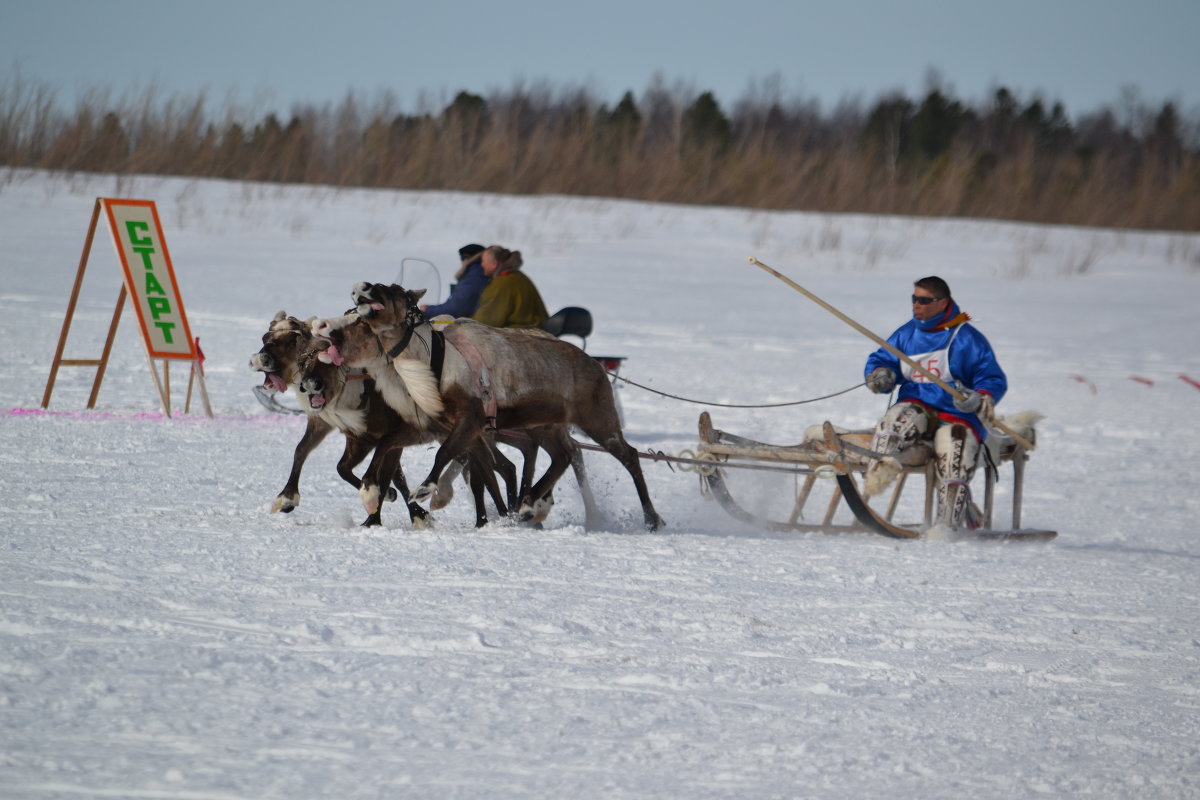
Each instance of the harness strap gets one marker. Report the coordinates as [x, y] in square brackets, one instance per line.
[367, 389]
[474, 360]
[437, 355]
[399, 346]
[413, 318]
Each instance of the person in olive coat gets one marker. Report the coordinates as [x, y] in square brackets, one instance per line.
[510, 300]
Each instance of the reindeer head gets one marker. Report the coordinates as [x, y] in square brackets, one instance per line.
[285, 341]
[347, 340]
[320, 382]
[387, 308]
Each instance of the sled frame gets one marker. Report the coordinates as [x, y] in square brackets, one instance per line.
[729, 451]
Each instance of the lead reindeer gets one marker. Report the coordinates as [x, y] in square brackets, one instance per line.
[488, 378]
[356, 412]
[351, 404]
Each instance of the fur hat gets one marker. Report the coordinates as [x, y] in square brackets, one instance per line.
[469, 253]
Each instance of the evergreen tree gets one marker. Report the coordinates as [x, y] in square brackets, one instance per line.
[936, 123]
[705, 125]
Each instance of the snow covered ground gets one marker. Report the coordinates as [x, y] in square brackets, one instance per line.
[163, 636]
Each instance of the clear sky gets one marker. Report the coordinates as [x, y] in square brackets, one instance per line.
[278, 53]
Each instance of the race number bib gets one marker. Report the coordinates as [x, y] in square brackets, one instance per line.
[936, 363]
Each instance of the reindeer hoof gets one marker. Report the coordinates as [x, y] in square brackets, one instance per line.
[284, 504]
[444, 494]
[535, 510]
[370, 498]
[442, 497]
[424, 492]
[391, 494]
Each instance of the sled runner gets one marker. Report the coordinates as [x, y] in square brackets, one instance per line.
[270, 401]
[839, 455]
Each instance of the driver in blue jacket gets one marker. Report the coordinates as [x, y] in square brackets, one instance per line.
[939, 338]
[464, 295]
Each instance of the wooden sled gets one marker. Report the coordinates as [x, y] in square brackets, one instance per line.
[814, 459]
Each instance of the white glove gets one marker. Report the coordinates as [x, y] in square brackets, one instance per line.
[881, 380]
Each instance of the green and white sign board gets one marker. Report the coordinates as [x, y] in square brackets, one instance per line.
[149, 277]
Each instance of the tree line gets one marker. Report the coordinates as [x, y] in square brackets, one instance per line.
[1007, 158]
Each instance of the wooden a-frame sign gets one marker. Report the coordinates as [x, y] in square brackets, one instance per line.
[149, 279]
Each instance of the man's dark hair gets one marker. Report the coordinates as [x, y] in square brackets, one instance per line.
[935, 286]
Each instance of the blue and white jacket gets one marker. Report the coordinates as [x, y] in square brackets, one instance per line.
[953, 350]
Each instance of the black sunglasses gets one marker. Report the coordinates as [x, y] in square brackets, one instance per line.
[924, 301]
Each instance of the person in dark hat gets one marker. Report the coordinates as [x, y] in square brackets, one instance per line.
[464, 295]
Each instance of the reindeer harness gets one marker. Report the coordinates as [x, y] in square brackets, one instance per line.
[413, 319]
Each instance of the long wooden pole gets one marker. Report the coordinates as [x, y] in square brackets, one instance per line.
[884, 343]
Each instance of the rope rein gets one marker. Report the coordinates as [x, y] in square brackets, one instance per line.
[735, 405]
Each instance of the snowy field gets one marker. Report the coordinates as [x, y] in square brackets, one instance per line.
[163, 636]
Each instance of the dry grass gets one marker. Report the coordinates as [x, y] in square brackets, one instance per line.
[533, 142]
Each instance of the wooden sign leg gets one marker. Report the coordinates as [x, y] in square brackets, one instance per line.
[108, 343]
[66, 327]
[203, 392]
[163, 398]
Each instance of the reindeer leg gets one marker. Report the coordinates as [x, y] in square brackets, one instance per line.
[463, 435]
[592, 520]
[385, 462]
[615, 443]
[525, 445]
[476, 470]
[535, 505]
[508, 472]
[529, 452]
[483, 466]
[445, 488]
[417, 515]
[355, 451]
[381, 471]
[315, 432]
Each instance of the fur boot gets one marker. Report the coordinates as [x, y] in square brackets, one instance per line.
[900, 427]
[956, 451]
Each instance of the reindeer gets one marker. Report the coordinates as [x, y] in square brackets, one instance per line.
[361, 350]
[489, 378]
[354, 408]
